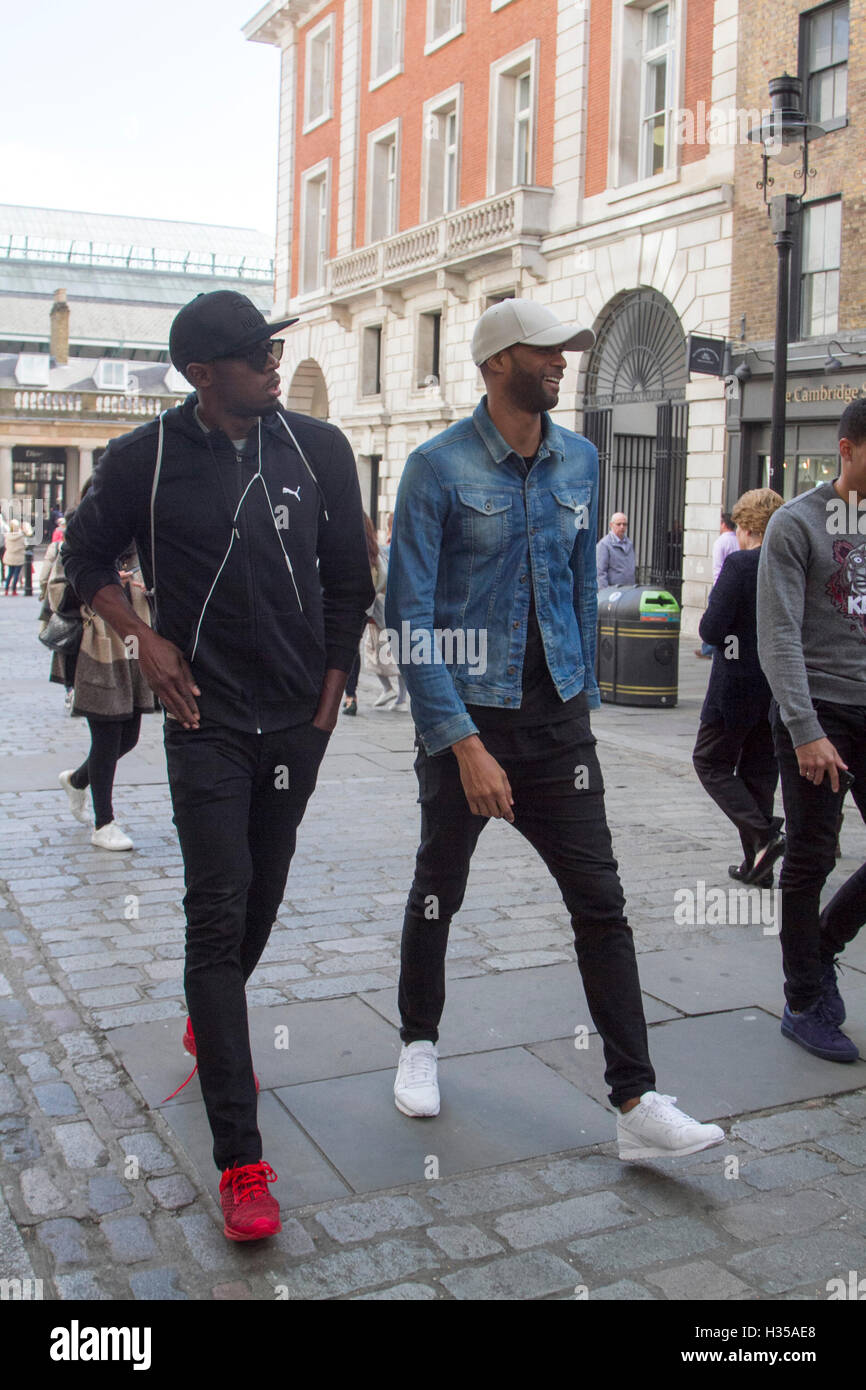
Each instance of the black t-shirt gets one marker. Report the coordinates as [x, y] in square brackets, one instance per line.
[540, 703]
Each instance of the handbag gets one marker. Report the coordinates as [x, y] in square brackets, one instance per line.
[62, 633]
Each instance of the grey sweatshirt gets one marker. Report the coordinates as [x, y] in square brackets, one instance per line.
[812, 608]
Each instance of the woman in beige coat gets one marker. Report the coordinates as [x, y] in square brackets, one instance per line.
[14, 558]
[112, 694]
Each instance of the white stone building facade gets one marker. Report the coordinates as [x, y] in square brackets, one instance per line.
[582, 253]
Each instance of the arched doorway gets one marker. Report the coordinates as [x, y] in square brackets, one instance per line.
[308, 392]
[636, 414]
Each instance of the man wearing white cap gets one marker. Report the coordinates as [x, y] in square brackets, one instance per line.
[492, 604]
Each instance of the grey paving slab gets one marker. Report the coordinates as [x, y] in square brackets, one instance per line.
[305, 1176]
[719, 1064]
[515, 1007]
[497, 1107]
[334, 1037]
[731, 975]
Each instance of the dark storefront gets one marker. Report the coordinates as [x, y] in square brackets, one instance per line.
[815, 401]
[39, 473]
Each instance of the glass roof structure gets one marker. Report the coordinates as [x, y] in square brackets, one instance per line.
[134, 243]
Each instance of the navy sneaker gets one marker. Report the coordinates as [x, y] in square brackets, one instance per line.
[834, 1004]
[814, 1030]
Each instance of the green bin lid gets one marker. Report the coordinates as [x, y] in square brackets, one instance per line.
[659, 605]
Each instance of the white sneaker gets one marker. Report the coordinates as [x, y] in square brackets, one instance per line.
[111, 837]
[654, 1128]
[416, 1091]
[77, 799]
[386, 700]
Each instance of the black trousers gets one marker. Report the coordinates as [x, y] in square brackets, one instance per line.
[738, 768]
[238, 800]
[110, 740]
[810, 938]
[559, 808]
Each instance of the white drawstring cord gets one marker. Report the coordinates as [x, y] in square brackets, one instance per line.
[288, 427]
[156, 473]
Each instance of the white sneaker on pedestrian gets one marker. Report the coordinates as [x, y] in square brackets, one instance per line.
[654, 1128]
[386, 700]
[416, 1091]
[77, 799]
[111, 837]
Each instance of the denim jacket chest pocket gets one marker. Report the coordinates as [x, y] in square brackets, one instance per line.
[572, 511]
[485, 518]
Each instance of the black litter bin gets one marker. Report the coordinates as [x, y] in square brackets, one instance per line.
[637, 656]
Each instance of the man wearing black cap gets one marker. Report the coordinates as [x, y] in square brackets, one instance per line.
[248, 523]
[494, 550]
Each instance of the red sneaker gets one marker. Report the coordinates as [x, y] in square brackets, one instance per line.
[189, 1044]
[250, 1212]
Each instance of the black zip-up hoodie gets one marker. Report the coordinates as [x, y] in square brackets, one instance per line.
[258, 634]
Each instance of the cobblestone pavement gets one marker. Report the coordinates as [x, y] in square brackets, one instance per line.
[102, 1201]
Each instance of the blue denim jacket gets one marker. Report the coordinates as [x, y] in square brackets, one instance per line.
[471, 532]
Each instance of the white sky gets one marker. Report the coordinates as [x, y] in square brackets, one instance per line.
[156, 108]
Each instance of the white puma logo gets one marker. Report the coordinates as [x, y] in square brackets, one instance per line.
[295, 492]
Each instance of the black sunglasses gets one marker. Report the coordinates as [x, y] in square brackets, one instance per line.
[257, 356]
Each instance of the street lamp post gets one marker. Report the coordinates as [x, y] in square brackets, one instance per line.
[784, 136]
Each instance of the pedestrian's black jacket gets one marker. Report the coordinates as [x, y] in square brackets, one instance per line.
[738, 695]
[261, 595]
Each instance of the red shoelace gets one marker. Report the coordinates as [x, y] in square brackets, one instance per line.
[249, 1182]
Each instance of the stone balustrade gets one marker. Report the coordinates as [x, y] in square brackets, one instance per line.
[521, 215]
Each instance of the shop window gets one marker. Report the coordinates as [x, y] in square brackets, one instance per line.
[824, 64]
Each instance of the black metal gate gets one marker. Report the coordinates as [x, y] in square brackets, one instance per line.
[672, 423]
[645, 478]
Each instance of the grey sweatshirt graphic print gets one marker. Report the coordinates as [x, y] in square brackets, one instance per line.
[812, 607]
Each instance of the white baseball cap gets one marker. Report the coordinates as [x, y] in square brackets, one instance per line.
[523, 321]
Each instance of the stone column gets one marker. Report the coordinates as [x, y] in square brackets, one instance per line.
[5, 472]
[85, 468]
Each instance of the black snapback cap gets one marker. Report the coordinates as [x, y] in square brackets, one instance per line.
[216, 325]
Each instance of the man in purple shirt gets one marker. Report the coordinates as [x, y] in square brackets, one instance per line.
[722, 548]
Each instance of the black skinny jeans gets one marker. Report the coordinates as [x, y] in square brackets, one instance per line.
[738, 769]
[567, 825]
[238, 800]
[110, 740]
[811, 938]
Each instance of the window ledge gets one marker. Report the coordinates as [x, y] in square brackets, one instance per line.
[835, 123]
[633, 190]
[454, 33]
[316, 122]
[304, 298]
[384, 77]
